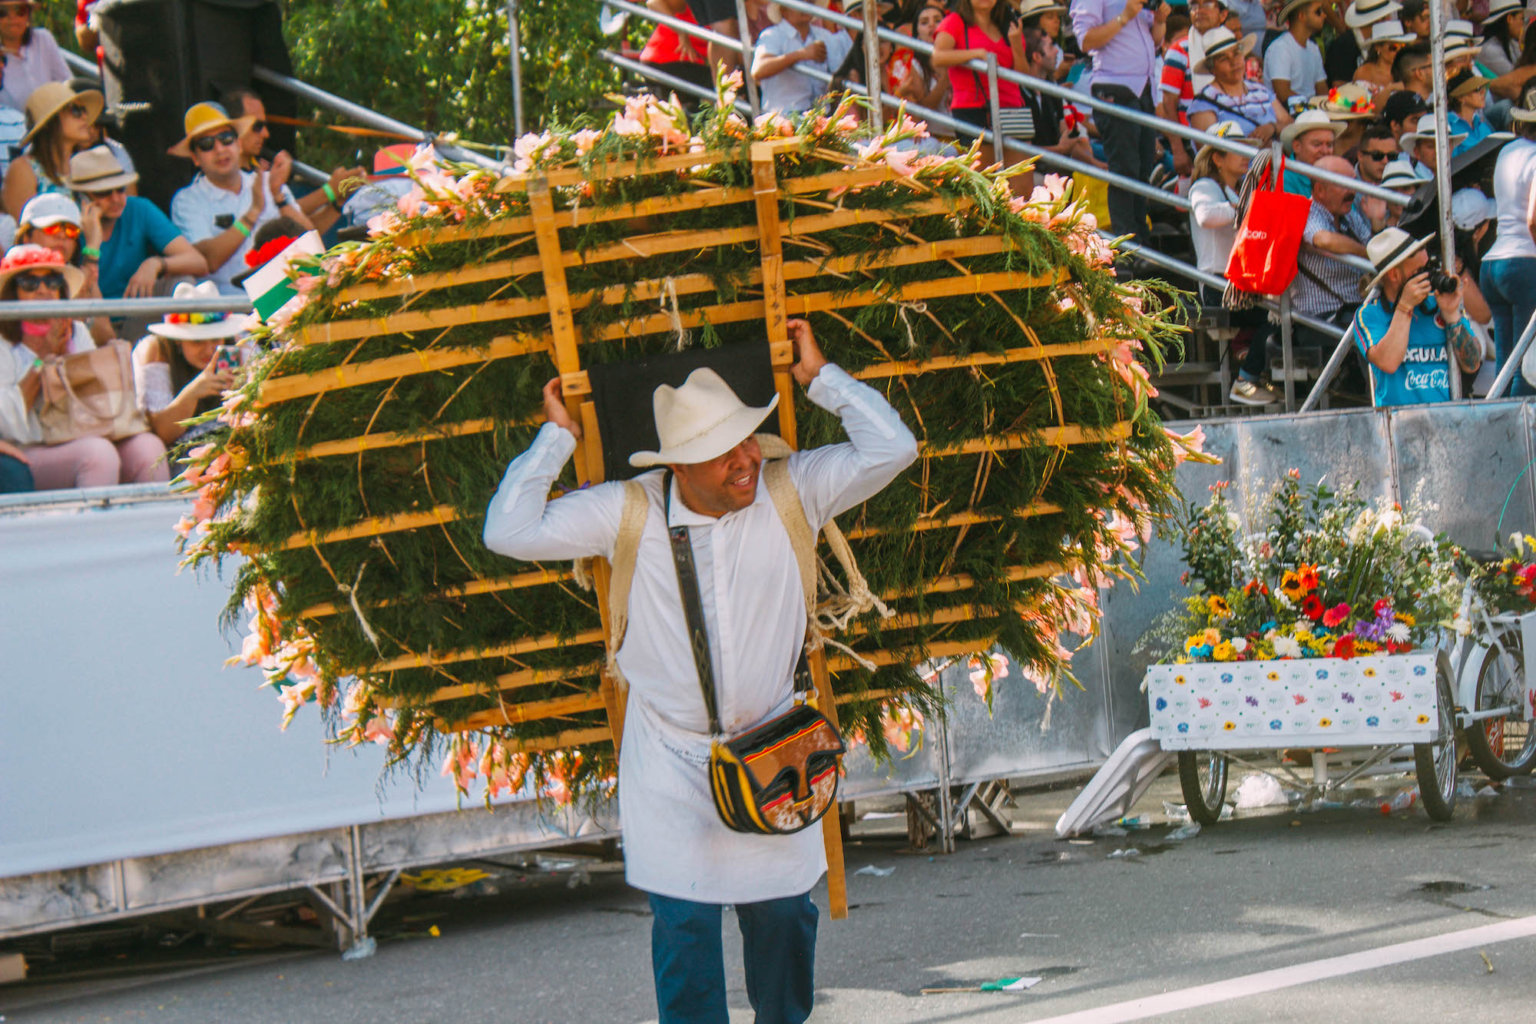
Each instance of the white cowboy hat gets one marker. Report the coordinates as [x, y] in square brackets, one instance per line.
[1309, 121]
[1390, 248]
[1399, 174]
[1230, 130]
[198, 326]
[1426, 132]
[1389, 32]
[1368, 12]
[1502, 8]
[1032, 7]
[699, 421]
[1217, 42]
[1290, 8]
[1525, 110]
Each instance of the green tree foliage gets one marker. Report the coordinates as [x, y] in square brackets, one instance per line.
[443, 65]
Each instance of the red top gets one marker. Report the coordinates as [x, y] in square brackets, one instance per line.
[664, 46]
[969, 88]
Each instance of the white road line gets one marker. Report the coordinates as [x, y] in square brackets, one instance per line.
[1299, 974]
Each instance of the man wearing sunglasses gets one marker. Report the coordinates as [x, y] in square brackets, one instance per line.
[1378, 147]
[322, 205]
[224, 205]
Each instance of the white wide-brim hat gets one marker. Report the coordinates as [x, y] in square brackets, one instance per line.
[1390, 248]
[1399, 174]
[1217, 42]
[1367, 12]
[699, 421]
[1502, 8]
[1310, 121]
[1426, 132]
[183, 326]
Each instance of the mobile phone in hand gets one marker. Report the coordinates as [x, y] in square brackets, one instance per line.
[227, 359]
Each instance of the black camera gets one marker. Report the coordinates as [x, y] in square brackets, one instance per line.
[1439, 280]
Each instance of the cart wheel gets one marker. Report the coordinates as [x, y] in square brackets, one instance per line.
[1203, 777]
[1436, 762]
[1502, 747]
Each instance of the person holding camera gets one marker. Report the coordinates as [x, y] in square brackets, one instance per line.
[182, 368]
[1411, 323]
[1123, 37]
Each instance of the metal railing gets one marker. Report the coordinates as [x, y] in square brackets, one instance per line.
[85, 308]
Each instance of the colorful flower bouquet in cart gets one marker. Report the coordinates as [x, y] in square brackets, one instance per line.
[1314, 574]
[1508, 583]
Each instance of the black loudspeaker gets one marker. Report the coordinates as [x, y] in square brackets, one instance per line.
[147, 74]
[622, 393]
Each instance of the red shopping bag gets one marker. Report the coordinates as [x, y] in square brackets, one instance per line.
[1263, 257]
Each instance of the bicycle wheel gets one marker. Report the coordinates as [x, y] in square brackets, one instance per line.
[1506, 745]
[1435, 763]
[1203, 777]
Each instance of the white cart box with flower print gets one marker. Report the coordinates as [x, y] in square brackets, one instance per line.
[1309, 702]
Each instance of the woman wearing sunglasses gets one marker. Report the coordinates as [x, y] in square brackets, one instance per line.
[32, 56]
[53, 222]
[136, 248]
[60, 122]
[32, 273]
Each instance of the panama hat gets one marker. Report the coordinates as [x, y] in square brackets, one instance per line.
[1390, 248]
[97, 170]
[1231, 131]
[202, 118]
[198, 326]
[19, 259]
[1368, 12]
[1502, 8]
[1217, 42]
[1470, 207]
[46, 209]
[1390, 31]
[1399, 174]
[699, 421]
[1426, 132]
[1309, 121]
[50, 99]
[1291, 7]
[1030, 8]
[1525, 110]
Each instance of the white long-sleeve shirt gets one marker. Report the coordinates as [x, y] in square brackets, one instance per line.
[754, 611]
[1212, 224]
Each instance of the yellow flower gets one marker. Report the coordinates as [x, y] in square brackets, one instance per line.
[1422, 720]
[1180, 680]
[1404, 618]
[1224, 651]
[1190, 643]
[1219, 607]
[1181, 660]
[1290, 585]
[1325, 722]
[1228, 726]
[1367, 647]
[1272, 675]
[1303, 635]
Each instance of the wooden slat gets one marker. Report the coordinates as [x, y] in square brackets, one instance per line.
[562, 176]
[505, 682]
[951, 649]
[375, 526]
[406, 364]
[515, 647]
[1038, 508]
[412, 321]
[491, 585]
[908, 368]
[559, 741]
[1051, 437]
[397, 438]
[534, 711]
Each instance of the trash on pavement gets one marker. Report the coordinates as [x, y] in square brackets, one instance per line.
[1000, 985]
[870, 869]
[1185, 832]
[1259, 790]
[1129, 851]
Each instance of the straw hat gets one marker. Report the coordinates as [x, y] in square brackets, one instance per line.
[699, 421]
[1368, 12]
[1230, 130]
[1390, 31]
[1426, 132]
[1348, 102]
[1525, 111]
[1291, 7]
[97, 170]
[1399, 174]
[1218, 41]
[1030, 8]
[198, 326]
[1502, 8]
[19, 259]
[1309, 121]
[46, 209]
[1465, 82]
[1390, 248]
[202, 118]
[49, 100]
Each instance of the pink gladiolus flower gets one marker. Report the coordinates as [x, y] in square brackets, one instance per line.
[412, 202]
[294, 697]
[585, 140]
[898, 724]
[901, 161]
[985, 669]
[424, 158]
[1187, 445]
[386, 223]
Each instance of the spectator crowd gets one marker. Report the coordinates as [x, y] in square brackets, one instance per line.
[1345, 88]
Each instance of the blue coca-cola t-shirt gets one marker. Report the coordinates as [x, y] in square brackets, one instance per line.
[1423, 376]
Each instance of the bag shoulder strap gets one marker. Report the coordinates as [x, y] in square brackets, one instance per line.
[693, 604]
[786, 502]
[626, 550]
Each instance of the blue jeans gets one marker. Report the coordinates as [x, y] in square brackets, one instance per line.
[1510, 288]
[15, 477]
[778, 951]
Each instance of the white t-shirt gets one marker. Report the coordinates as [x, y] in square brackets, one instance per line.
[1513, 177]
[1216, 206]
[1288, 61]
[39, 63]
[203, 209]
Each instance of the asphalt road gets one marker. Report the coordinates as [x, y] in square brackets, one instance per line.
[1288, 916]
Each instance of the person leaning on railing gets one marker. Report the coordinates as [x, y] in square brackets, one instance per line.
[35, 274]
[1508, 275]
[913, 76]
[974, 29]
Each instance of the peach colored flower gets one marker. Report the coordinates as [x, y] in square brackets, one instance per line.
[985, 669]
[585, 140]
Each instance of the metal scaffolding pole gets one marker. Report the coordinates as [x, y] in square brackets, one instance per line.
[1443, 165]
[515, 56]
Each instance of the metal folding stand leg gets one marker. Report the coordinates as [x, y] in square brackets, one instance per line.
[988, 798]
[351, 924]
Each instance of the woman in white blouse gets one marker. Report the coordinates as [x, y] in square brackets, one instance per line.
[33, 273]
[32, 56]
[1216, 176]
[180, 372]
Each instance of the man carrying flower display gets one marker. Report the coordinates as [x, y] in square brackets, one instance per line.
[1405, 332]
[676, 847]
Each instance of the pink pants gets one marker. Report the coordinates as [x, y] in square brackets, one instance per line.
[97, 462]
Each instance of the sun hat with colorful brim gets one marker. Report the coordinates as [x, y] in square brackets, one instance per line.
[97, 170]
[51, 99]
[1232, 132]
[19, 259]
[1348, 102]
[46, 209]
[1030, 8]
[1502, 8]
[1389, 32]
[1291, 8]
[699, 421]
[202, 118]
[1310, 121]
[1390, 248]
[1426, 132]
[1220, 40]
[1399, 174]
[1368, 12]
[1465, 82]
[198, 326]
[271, 282]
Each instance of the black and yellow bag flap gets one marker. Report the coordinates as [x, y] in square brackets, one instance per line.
[780, 777]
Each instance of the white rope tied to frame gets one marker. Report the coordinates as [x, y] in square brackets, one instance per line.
[667, 300]
[357, 608]
[901, 311]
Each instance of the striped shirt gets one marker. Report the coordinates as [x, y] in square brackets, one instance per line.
[1256, 106]
[1323, 285]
